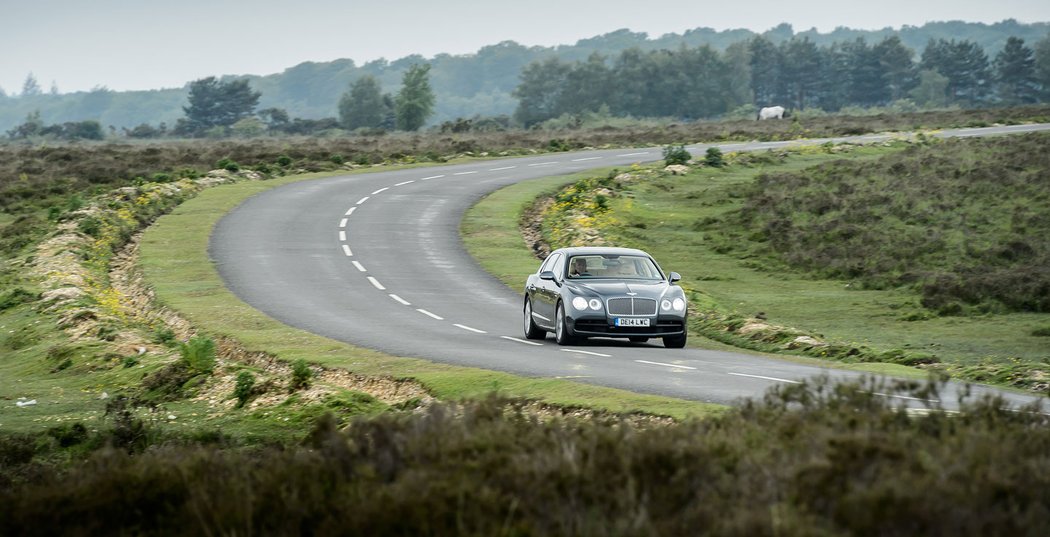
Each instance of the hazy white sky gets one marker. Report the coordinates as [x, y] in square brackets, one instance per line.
[150, 44]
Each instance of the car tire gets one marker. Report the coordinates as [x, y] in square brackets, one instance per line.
[638, 339]
[531, 330]
[675, 342]
[561, 328]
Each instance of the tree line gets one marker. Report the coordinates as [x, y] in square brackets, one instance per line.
[701, 82]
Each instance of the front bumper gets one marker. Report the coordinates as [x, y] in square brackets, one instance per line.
[659, 326]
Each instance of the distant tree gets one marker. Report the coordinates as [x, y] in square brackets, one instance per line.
[1015, 73]
[54, 88]
[964, 64]
[539, 94]
[766, 65]
[30, 87]
[217, 104]
[362, 106]
[898, 66]
[1041, 68]
[274, 118]
[801, 71]
[3, 94]
[32, 126]
[587, 86]
[146, 131]
[414, 104]
[864, 76]
[931, 91]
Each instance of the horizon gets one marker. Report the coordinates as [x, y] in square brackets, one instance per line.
[122, 45]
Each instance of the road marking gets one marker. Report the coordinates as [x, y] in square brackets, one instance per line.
[665, 365]
[385, 188]
[428, 314]
[346, 250]
[359, 266]
[464, 173]
[475, 330]
[432, 177]
[522, 341]
[376, 283]
[766, 378]
[403, 183]
[350, 211]
[583, 159]
[362, 200]
[342, 236]
[503, 168]
[578, 351]
[906, 397]
[342, 223]
[401, 300]
[632, 154]
[543, 163]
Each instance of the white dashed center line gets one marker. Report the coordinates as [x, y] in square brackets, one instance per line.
[346, 250]
[342, 236]
[385, 188]
[543, 164]
[403, 183]
[376, 283]
[522, 341]
[362, 200]
[632, 154]
[665, 365]
[402, 301]
[475, 330]
[432, 177]
[428, 314]
[765, 378]
[503, 168]
[350, 211]
[583, 159]
[464, 173]
[577, 351]
[359, 266]
[342, 223]
[906, 397]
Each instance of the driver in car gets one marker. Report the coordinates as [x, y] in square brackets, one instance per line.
[579, 267]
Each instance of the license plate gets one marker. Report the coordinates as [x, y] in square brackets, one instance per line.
[631, 322]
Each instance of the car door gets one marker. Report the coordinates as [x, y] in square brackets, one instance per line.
[546, 294]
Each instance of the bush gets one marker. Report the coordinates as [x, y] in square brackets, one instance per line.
[713, 157]
[301, 374]
[90, 226]
[199, 354]
[15, 297]
[228, 165]
[243, 389]
[676, 154]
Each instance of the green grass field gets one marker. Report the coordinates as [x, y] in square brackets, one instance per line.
[662, 214]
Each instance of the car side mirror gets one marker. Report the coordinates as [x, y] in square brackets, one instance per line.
[547, 275]
[674, 277]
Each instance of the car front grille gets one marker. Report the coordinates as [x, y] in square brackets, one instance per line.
[632, 306]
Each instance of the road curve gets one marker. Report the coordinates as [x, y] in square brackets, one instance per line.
[376, 260]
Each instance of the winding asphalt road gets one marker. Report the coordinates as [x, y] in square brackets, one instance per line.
[376, 260]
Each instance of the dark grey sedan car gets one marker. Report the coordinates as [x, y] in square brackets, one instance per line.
[604, 292]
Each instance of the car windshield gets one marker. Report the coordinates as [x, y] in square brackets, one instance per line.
[613, 266]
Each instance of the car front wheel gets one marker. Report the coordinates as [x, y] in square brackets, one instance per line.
[675, 342]
[531, 330]
[561, 330]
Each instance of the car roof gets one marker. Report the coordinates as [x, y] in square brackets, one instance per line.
[599, 250]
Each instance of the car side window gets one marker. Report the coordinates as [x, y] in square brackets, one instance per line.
[559, 268]
[549, 263]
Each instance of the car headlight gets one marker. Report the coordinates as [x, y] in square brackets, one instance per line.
[677, 304]
[595, 304]
[579, 303]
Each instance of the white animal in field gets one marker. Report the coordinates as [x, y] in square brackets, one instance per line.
[771, 112]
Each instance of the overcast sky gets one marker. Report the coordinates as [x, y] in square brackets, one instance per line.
[151, 44]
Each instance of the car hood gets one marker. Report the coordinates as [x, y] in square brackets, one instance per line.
[642, 288]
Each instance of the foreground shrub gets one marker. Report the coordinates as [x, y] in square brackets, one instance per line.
[676, 154]
[198, 354]
[813, 459]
